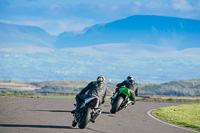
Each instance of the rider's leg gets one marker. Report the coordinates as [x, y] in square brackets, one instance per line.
[78, 104]
[132, 97]
[115, 94]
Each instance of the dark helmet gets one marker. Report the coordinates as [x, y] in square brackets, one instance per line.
[130, 78]
[101, 79]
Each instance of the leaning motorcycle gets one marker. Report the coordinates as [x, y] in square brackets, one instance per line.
[120, 100]
[89, 111]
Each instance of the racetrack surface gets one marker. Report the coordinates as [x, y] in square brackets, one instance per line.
[32, 115]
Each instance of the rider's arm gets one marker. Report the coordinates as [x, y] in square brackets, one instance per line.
[121, 84]
[103, 100]
[84, 90]
[105, 93]
[136, 89]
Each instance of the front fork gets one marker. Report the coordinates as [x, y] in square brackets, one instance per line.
[114, 97]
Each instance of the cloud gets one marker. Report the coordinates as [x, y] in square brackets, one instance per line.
[137, 3]
[197, 6]
[181, 5]
[55, 26]
[54, 7]
[153, 5]
[75, 23]
[68, 16]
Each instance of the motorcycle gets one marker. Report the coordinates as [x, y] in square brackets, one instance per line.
[120, 100]
[89, 111]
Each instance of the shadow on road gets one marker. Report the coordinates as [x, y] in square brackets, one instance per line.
[36, 126]
[105, 112]
[94, 130]
[65, 111]
[53, 110]
[45, 126]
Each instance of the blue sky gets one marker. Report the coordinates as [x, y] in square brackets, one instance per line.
[57, 16]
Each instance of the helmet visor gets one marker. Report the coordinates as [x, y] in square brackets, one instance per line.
[100, 79]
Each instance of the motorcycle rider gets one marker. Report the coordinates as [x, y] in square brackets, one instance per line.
[95, 88]
[131, 85]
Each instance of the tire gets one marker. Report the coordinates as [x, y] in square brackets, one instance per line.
[116, 105]
[86, 118]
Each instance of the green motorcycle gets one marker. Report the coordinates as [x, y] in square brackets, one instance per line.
[120, 100]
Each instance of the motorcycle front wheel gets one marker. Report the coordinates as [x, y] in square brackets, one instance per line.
[116, 105]
[86, 118]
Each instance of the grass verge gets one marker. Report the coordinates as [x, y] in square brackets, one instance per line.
[186, 115]
[16, 95]
[56, 96]
[168, 99]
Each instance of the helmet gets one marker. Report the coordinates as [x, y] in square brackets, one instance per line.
[130, 78]
[101, 79]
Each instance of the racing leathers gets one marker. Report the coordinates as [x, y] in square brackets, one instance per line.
[132, 86]
[94, 88]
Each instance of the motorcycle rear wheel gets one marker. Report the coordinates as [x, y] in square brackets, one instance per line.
[86, 118]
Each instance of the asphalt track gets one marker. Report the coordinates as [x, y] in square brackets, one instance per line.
[32, 115]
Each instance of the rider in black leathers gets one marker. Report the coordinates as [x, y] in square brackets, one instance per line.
[94, 88]
[131, 85]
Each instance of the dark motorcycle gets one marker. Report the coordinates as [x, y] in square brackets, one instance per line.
[89, 111]
[120, 100]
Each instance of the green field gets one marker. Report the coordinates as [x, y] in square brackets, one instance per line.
[56, 96]
[187, 115]
[167, 99]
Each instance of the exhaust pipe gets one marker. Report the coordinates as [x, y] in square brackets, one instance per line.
[95, 115]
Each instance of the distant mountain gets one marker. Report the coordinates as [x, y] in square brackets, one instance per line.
[140, 30]
[155, 30]
[151, 48]
[173, 88]
[20, 35]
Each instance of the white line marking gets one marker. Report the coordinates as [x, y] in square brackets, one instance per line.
[149, 113]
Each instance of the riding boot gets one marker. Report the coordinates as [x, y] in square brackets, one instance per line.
[114, 95]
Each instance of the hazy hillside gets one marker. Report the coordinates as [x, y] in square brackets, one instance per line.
[168, 32]
[67, 65]
[22, 36]
[175, 88]
[150, 51]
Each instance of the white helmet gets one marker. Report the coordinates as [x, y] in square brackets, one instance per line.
[130, 78]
